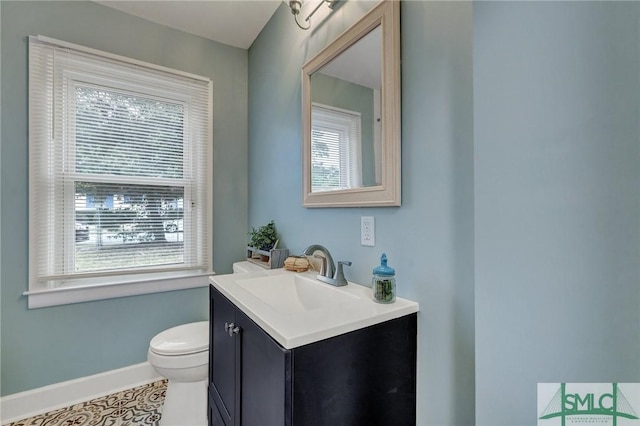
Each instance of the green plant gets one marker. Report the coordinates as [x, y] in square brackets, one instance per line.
[263, 238]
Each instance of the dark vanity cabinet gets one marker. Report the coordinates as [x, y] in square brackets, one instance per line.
[365, 377]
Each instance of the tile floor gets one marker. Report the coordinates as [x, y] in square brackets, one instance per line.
[141, 406]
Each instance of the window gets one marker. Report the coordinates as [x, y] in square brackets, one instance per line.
[120, 175]
[336, 149]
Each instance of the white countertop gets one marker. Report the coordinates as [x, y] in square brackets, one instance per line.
[294, 324]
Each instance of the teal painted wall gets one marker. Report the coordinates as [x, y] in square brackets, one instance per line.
[429, 239]
[50, 345]
[519, 233]
[557, 190]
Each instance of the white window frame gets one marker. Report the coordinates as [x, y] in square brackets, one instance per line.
[348, 125]
[45, 292]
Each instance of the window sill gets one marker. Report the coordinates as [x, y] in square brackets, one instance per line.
[108, 289]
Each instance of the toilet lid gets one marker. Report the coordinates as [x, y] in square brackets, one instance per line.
[183, 339]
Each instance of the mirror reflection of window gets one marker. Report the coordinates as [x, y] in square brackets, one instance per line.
[336, 148]
[352, 81]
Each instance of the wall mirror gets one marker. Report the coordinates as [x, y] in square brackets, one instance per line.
[351, 115]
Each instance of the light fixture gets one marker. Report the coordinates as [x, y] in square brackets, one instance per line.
[296, 6]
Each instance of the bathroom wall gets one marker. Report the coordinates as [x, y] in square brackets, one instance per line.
[429, 240]
[519, 233]
[557, 191]
[50, 345]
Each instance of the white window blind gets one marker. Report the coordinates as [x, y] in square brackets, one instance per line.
[336, 148]
[120, 168]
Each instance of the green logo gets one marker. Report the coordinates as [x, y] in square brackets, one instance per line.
[588, 403]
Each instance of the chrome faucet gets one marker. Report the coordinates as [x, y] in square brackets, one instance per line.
[328, 272]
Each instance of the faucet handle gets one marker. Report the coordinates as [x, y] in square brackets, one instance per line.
[339, 277]
[323, 264]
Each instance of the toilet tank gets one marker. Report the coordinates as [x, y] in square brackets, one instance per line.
[245, 267]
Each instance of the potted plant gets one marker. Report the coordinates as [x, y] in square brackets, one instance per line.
[262, 240]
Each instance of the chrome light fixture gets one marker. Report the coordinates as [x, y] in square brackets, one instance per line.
[296, 6]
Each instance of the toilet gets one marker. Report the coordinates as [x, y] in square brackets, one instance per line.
[181, 355]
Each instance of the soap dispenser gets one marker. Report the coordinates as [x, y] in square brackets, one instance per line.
[383, 283]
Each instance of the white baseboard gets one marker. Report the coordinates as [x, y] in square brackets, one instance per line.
[41, 400]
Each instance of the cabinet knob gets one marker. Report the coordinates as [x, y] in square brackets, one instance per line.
[231, 328]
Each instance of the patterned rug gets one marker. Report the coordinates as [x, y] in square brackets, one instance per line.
[141, 406]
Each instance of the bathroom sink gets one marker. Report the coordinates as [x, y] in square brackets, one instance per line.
[295, 293]
[296, 309]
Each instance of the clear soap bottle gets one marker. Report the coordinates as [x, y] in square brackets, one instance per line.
[383, 283]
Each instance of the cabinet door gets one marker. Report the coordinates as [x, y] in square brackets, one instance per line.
[215, 419]
[224, 363]
[365, 377]
[266, 374]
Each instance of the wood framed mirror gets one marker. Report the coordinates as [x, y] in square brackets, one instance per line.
[351, 115]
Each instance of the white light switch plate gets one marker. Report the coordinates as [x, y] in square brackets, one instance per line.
[368, 231]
